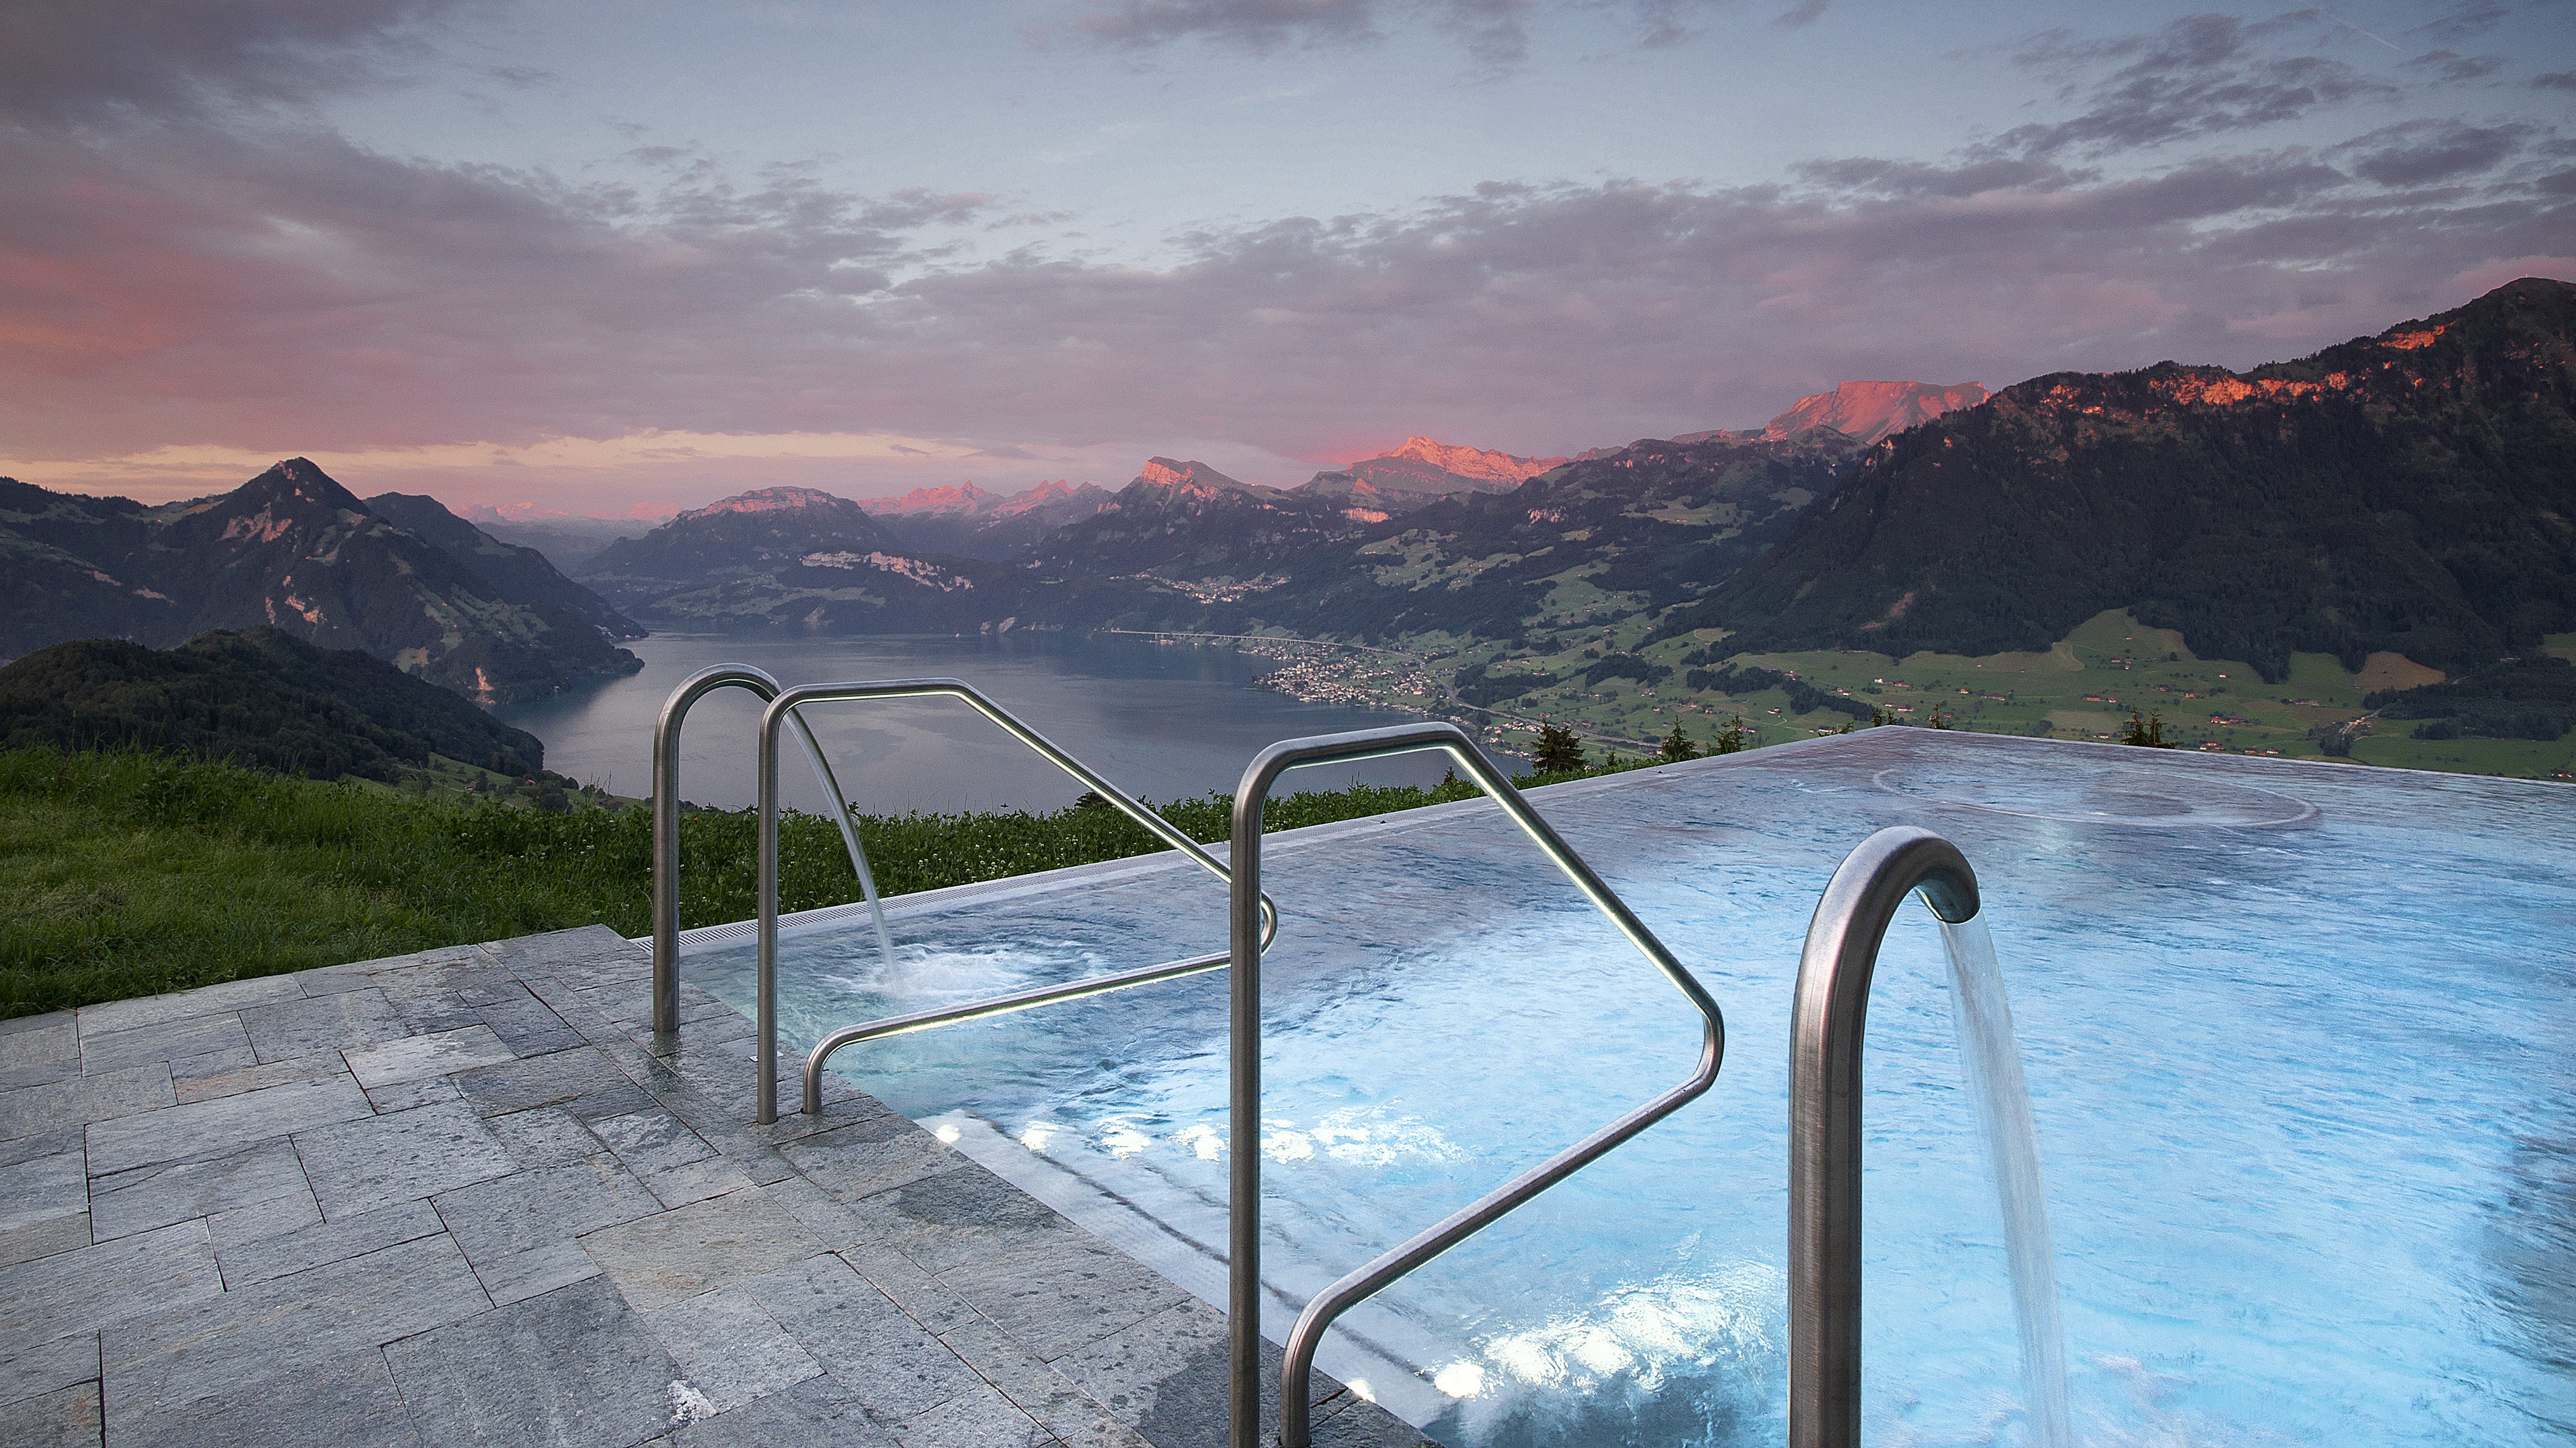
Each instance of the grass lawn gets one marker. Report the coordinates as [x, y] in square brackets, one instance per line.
[129, 874]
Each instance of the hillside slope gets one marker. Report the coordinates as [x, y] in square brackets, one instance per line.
[257, 697]
[2413, 492]
[521, 575]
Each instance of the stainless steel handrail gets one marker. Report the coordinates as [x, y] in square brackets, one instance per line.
[666, 821]
[1824, 1113]
[783, 709]
[1244, 1128]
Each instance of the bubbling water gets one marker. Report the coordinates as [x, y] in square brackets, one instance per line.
[1982, 1018]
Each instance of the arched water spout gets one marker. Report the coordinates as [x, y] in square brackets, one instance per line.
[1826, 1030]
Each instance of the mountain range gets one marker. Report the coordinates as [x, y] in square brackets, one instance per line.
[2409, 493]
[293, 550]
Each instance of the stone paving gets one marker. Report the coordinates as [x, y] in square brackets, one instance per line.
[466, 1197]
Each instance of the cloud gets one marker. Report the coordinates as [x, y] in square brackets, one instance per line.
[2199, 77]
[1494, 33]
[2449, 66]
[2474, 17]
[1798, 16]
[2555, 80]
[66, 61]
[2420, 153]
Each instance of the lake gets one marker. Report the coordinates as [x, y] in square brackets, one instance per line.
[1163, 721]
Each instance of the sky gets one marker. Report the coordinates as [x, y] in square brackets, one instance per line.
[620, 259]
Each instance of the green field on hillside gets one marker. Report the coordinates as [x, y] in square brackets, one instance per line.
[126, 874]
[2085, 687]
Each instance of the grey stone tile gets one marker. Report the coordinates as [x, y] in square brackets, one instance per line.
[980, 1418]
[1061, 1293]
[165, 1192]
[443, 957]
[675, 1163]
[319, 1243]
[211, 1128]
[586, 958]
[1039, 1390]
[41, 1049]
[950, 1219]
[404, 1095]
[358, 1166]
[161, 1041]
[570, 1369]
[67, 1419]
[274, 1331]
[527, 1026]
[32, 1370]
[80, 1100]
[893, 1366]
[520, 1230]
[239, 1073]
[43, 1238]
[231, 995]
[1167, 1376]
[16, 1149]
[662, 1259]
[540, 1081]
[870, 1156]
[74, 1294]
[547, 1136]
[696, 1181]
[217, 1064]
[729, 1349]
[344, 1402]
[816, 1413]
[43, 1189]
[651, 1141]
[241, 1226]
[420, 1058]
[305, 1024]
[599, 1105]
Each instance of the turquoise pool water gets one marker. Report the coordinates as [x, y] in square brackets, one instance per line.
[2301, 1043]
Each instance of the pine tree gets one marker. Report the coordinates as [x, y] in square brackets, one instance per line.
[1677, 746]
[1736, 738]
[1559, 752]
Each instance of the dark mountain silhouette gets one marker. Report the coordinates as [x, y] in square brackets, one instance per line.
[290, 549]
[2413, 492]
[795, 557]
[521, 575]
[258, 697]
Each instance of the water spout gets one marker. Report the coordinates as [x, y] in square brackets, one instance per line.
[1982, 1016]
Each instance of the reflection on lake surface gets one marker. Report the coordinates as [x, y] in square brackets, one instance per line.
[1162, 721]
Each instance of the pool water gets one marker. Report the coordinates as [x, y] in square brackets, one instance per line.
[2300, 1042]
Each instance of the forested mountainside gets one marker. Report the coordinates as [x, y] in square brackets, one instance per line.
[1645, 527]
[794, 557]
[290, 549]
[258, 697]
[521, 575]
[2413, 492]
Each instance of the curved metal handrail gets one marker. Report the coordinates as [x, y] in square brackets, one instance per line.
[1244, 1128]
[1824, 1113]
[782, 709]
[666, 823]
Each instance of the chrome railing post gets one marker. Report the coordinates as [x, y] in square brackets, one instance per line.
[1243, 1286]
[666, 819]
[1825, 1033]
[785, 707]
[666, 824]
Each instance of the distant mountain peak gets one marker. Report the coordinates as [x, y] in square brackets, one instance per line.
[1868, 411]
[771, 500]
[952, 498]
[1193, 477]
[1482, 464]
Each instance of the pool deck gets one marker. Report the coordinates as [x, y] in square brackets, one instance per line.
[466, 1196]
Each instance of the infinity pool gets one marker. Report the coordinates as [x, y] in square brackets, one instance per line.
[2300, 1039]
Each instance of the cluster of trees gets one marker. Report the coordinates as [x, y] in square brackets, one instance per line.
[2525, 698]
[1804, 698]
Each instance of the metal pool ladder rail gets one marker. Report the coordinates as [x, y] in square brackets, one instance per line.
[666, 819]
[1824, 1113]
[1244, 1127]
[781, 712]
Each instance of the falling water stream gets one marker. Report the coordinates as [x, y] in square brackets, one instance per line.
[1983, 1019]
